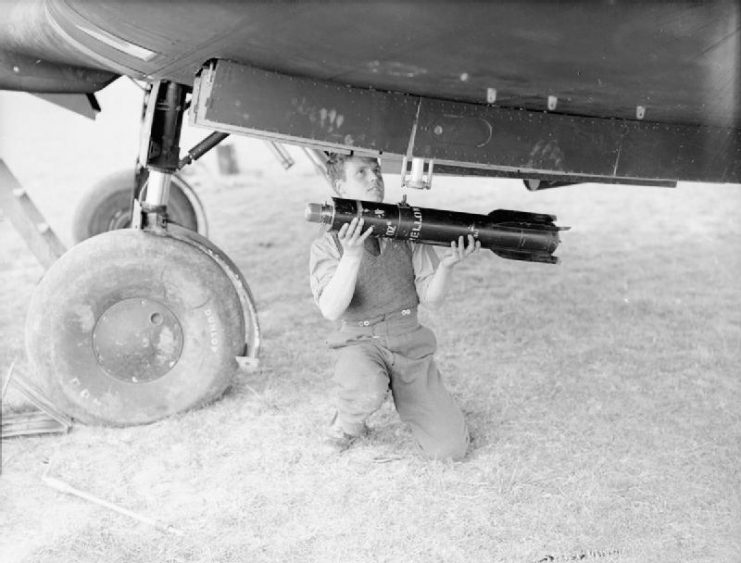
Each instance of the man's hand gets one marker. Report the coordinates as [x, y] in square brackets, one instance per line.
[459, 251]
[352, 237]
[438, 285]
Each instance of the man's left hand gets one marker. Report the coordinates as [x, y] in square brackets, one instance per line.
[460, 251]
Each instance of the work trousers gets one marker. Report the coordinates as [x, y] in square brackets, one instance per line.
[396, 352]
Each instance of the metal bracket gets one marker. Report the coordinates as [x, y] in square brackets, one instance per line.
[281, 153]
[248, 364]
[414, 176]
[318, 159]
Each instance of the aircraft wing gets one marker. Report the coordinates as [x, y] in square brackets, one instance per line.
[564, 83]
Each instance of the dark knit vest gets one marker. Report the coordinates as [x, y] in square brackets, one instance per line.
[385, 283]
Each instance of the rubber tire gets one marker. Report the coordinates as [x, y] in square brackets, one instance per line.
[114, 266]
[111, 197]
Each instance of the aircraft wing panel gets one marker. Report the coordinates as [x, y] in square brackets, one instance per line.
[241, 99]
[673, 62]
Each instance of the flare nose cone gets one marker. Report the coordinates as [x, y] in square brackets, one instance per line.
[313, 213]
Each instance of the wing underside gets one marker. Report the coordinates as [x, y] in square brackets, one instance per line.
[676, 62]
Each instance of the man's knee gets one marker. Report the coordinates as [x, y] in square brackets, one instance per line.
[362, 381]
[359, 369]
[370, 396]
[368, 384]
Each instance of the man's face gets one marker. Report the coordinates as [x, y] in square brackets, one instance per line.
[363, 179]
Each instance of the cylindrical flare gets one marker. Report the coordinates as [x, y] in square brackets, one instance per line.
[516, 235]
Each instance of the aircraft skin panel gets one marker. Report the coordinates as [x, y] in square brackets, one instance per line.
[31, 74]
[674, 62]
[241, 99]
[34, 58]
[265, 103]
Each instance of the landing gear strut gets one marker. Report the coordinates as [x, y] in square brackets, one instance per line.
[137, 324]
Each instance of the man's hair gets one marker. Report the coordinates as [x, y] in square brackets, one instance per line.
[336, 168]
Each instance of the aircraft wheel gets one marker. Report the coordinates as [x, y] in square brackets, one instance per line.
[129, 327]
[107, 206]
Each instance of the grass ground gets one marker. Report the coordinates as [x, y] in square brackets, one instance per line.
[603, 396]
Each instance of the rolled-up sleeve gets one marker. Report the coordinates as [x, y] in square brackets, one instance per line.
[425, 262]
[323, 259]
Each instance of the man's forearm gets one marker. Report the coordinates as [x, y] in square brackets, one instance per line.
[438, 285]
[338, 292]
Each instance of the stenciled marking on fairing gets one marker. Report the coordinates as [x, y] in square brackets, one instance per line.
[213, 329]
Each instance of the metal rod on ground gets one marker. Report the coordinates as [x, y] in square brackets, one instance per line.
[63, 487]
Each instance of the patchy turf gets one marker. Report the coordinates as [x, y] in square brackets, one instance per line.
[603, 396]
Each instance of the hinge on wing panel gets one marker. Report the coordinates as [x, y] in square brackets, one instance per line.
[414, 175]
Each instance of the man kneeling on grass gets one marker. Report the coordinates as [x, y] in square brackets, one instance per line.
[373, 287]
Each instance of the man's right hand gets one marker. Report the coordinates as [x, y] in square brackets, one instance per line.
[352, 238]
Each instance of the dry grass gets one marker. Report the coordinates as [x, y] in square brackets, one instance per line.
[603, 396]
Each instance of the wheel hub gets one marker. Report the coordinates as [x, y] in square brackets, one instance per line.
[121, 219]
[137, 340]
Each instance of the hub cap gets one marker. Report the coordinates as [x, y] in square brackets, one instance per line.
[137, 340]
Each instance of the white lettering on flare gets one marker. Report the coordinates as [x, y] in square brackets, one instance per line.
[416, 223]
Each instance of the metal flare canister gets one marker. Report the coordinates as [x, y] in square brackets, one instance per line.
[515, 235]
